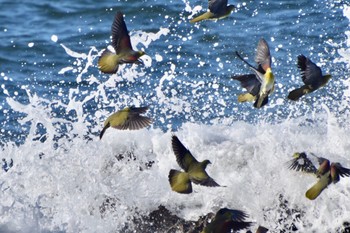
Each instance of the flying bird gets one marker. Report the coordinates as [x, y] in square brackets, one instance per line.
[227, 220]
[312, 77]
[194, 171]
[127, 118]
[218, 9]
[261, 83]
[326, 173]
[109, 61]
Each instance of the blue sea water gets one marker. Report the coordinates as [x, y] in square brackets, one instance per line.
[53, 102]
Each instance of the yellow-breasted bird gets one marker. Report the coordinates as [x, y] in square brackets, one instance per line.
[218, 9]
[327, 173]
[194, 171]
[124, 53]
[260, 84]
[312, 77]
[127, 118]
[227, 220]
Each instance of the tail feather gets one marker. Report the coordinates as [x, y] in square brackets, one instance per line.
[180, 181]
[261, 101]
[108, 62]
[299, 92]
[246, 97]
[103, 130]
[206, 15]
[317, 188]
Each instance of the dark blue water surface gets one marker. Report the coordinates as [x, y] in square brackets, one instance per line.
[291, 28]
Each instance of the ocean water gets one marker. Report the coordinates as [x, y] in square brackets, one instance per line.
[53, 102]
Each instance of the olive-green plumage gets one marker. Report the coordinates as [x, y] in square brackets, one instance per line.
[218, 9]
[312, 77]
[260, 84]
[317, 188]
[127, 118]
[227, 220]
[124, 53]
[326, 172]
[194, 171]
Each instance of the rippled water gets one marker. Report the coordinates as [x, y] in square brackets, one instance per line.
[53, 102]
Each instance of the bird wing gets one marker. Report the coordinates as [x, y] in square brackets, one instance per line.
[217, 6]
[249, 82]
[262, 56]
[202, 178]
[342, 170]
[135, 122]
[130, 118]
[302, 163]
[258, 72]
[230, 214]
[183, 156]
[320, 160]
[120, 36]
[311, 74]
[139, 110]
[324, 165]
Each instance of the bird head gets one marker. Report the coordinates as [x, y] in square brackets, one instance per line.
[140, 53]
[299, 155]
[327, 77]
[222, 212]
[205, 163]
[230, 8]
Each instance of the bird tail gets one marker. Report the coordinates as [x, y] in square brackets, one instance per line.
[246, 97]
[317, 188]
[103, 130]
[180, 181]
[108, 62]
[261, 101]
[206, 15]
[299, 92]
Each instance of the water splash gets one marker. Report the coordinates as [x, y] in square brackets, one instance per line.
[64, 179]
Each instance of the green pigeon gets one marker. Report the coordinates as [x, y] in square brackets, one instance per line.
[227, 220]
[332, 175]
[109, 61]
[261, 83]
[127, 118]
[326, 172]
[218, 9]
[194, 171]
[312, 77]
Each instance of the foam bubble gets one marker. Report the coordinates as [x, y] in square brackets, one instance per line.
[54, 38]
